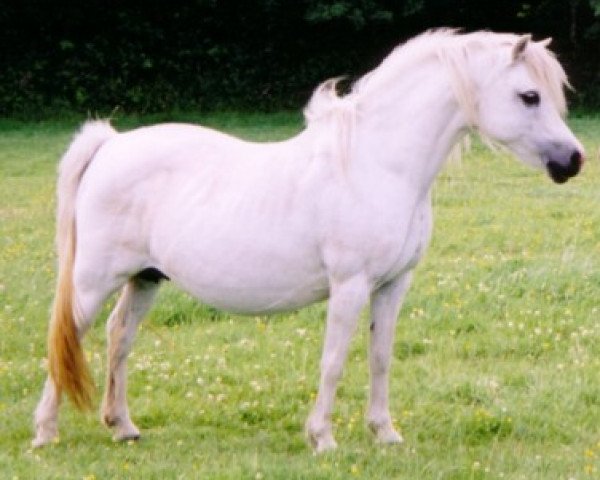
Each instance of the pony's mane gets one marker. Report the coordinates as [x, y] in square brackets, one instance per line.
[453, 50]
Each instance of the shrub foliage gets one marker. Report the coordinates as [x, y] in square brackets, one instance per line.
[150, 55]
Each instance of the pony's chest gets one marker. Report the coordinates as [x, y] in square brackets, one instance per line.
[416, 241]
[388, 251]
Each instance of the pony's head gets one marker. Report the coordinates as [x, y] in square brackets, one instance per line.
[508, 88]
[521, 104]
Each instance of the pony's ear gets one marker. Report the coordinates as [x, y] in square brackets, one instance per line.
[547, 41]
[520, 47]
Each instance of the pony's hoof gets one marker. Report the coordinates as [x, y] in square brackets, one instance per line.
[323, 444]
[46, 431]
[321, 441]
[42, 439]
[389, 437]
[318, 433]
[123, 428]
[132, 437]
[125, 431]
[127, 435]
[386, 434]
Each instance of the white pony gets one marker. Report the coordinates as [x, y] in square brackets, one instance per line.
[341, 211]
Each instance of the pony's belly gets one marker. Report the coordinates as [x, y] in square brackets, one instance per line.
[251, 277]
[255, 295]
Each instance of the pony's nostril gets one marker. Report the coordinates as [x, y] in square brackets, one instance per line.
[575, 163]
[576, 158]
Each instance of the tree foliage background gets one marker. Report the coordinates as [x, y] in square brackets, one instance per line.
[152, 55]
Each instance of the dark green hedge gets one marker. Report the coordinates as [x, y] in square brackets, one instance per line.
[149, 56]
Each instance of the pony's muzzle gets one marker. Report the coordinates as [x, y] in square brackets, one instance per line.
[561, 171]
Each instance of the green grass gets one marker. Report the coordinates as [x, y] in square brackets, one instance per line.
[497, 355]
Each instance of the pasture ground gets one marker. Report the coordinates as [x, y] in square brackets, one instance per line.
[496, 372]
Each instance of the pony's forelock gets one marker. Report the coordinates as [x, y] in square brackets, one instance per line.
[548, 73]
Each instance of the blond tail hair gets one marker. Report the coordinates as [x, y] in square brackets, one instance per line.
[67, 364]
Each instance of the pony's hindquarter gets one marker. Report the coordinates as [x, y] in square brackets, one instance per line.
[66, 361]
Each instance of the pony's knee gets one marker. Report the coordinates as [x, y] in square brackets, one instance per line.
[331, 370]
[380, 364]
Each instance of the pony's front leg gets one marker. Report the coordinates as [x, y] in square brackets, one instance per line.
[345, 303]
[385, 306]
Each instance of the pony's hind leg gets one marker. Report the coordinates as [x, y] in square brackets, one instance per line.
[89, 302]
[135, 300]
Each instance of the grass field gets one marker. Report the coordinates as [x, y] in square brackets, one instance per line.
[496, 372]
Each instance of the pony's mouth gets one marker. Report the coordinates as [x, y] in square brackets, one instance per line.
[561, 173]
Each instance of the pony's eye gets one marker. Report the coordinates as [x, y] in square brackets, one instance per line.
[530, 98]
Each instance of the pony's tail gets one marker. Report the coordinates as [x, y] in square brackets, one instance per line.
[66, 361]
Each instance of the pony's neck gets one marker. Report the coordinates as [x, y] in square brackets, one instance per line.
[410, 129]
